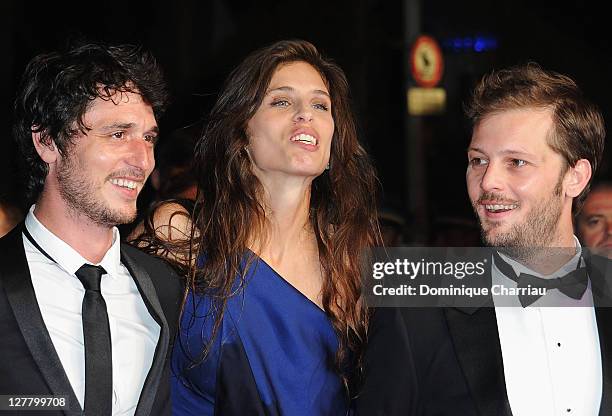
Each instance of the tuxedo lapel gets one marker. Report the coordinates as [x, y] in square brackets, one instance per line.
[604, 327]
[476, 342]
[22, 299]
[600, 272]
[149, 295]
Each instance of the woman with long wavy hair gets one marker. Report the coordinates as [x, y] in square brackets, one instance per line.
[274, 320]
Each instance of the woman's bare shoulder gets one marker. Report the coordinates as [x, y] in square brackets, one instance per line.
[169, 220]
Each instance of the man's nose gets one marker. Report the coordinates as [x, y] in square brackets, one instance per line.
[141, 155]
[493, 178]
[608, 226]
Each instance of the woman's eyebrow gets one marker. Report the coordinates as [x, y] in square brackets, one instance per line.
[291, 89]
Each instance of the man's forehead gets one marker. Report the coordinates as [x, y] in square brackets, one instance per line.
[513, 131]
[599, 199]
[520, 112]
[126, 109]
[121, 99]
[119, 96]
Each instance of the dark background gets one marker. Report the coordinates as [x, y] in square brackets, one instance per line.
[199, 42]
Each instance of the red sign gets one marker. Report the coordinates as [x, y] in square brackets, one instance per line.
[426, 61]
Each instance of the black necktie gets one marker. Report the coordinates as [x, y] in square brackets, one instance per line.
[96, 335]
[573, 284]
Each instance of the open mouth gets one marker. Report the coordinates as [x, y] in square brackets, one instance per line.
[497, 208]
[124, 183]
[305, 138]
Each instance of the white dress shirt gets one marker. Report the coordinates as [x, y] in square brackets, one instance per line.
[551, 354]
[134, 333]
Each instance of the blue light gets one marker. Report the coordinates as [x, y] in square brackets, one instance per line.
[479, 45]
[471, 44]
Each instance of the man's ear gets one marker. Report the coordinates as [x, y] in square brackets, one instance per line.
[577, 178]
[45, 147]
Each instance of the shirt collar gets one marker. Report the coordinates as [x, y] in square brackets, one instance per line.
[568, 267]
[64, 255]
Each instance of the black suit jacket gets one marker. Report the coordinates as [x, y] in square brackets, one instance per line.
[448, 361]
[29, 364]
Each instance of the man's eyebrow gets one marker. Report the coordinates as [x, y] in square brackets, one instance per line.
[291, 89]
[126, 126]
[503, 152]
[515, 152]
[122, 126]
[594, 215]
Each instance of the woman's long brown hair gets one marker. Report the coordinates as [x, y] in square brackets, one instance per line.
[342, 206]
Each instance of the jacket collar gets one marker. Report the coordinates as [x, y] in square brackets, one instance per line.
[149, 295]
[21, 297]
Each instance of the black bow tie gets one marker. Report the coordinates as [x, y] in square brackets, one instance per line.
[573, 284]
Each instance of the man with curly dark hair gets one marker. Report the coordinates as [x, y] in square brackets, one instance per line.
[83, 317]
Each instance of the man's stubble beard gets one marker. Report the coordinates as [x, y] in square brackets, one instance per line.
[538, 230]
[79, 192]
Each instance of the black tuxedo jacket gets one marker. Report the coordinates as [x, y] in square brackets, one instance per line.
[29, 364]
[448, 361]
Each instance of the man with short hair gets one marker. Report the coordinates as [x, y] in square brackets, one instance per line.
[595, 219]
[83, 316]
[535, 144]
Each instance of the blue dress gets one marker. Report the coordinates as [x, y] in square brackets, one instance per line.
[273, 354]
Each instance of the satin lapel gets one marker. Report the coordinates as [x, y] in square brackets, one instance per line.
[21, 297]
[600, 273]
[149, 295]
[599, 270]
[476, 343]
[604, 327]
